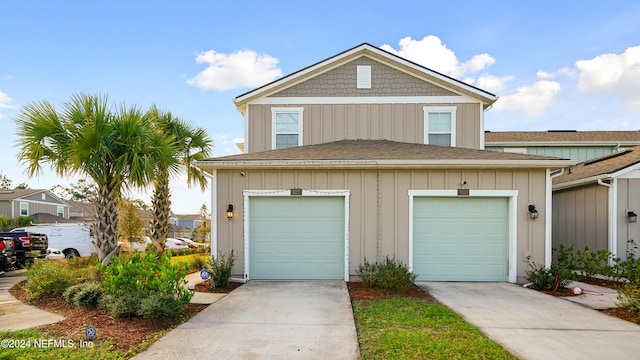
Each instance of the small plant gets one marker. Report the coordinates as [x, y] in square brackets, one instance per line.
[389, 274]
[158, 306]
[50, 278]
[548, 278]
[85, 295]
[629, 297]
[220, 271]
[199, 263]
[592, 263]
[123, 306]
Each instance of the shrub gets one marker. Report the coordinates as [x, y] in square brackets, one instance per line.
[50, 278]
[124, 306]
[199, 263]
[86, 295]
[543, 278]
[629, 297]
[389, 274]
[220, 270]
[146, 274]
[156, 306]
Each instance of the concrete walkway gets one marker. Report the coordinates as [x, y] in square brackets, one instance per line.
[532, 325]
[267, 320]
[14, 315]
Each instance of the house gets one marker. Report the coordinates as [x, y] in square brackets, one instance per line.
[571, 144]
[596, 202]
[190, 221]
[365, 155]
[27, 202]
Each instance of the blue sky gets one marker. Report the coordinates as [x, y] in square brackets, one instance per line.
[554, 64]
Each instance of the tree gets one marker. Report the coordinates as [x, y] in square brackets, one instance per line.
[130, 224]
[5, 182]
[188, 144]
[114, 148]
[204, 230]
[82, 191]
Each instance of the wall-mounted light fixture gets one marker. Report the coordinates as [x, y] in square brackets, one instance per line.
[533, 213]
[632, 217]
[230, 212]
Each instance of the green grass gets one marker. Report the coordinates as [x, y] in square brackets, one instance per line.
[406, 328]
[34, 344]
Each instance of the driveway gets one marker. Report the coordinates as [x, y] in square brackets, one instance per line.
[532, 325]
[267, 320]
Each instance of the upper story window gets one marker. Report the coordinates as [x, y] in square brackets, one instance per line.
[287, 127]
[440, 125]
[24, 209]
[60, 211]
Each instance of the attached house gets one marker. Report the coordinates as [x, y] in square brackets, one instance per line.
[29, 202]
[596, 203]
[571, 144]
[365, 155]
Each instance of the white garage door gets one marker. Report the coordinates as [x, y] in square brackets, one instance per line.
[461, 239]
[296, 238]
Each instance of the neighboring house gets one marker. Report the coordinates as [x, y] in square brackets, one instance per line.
[366, 155]
[81, 211]
[571, 144]
[190, 221]
[27, 202]
[593, 201]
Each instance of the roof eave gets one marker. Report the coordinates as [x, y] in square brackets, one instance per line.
[563, 143]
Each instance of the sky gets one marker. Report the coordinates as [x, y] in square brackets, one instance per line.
[553, 64]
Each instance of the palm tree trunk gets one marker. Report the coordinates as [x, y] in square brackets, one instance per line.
[161, 205]
[107, 221]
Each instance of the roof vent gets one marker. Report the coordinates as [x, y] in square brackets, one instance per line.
[363, 77]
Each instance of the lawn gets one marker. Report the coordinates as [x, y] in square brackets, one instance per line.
[408, 327]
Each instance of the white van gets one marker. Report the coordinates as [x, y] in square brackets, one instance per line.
[71, 239]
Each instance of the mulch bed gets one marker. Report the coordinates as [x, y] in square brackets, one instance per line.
[358, 292]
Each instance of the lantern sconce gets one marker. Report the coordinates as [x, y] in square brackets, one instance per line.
[632, 216]
[230, 212]
[533, 213]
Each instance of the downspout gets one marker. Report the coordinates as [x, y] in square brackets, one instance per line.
[548, 244]
[613, 214]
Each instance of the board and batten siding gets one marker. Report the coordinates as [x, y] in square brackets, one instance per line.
[628, 200]
[577, 153]
[35, 208]
[324, 123]
[580, 217]
[379, 206]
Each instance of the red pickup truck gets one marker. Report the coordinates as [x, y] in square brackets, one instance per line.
[7, 255]
[28, 246]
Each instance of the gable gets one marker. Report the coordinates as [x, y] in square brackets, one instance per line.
[38, 197]
[385, 81]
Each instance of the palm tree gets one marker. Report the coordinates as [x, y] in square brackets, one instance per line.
[188, 144]
[113, 148]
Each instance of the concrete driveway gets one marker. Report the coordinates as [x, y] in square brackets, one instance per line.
[532, 325]
[267, 320]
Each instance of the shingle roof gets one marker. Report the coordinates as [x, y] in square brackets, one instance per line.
[377, 150]
[17, 193]
[612, 137]
[603, 165]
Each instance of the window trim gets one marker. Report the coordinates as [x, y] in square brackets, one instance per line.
[26, 205]
[60, 209]
[286, 110]
[431, 109]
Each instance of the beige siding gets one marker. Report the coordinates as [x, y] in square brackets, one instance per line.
[35, 208]
[580, 217]
[379, 206]
[5, 209]
[331, 122]
[628, 200]
[385, 81]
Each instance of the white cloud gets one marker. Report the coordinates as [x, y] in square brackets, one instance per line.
[432, 53]
[532, 100]
[5, 102]
[615, 74]
[244, 68]
[492, 83]
[547, 75]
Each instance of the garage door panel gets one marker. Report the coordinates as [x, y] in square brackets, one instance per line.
[460, 239]
[296, 238]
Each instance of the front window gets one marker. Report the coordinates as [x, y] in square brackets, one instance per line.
[60, 211]
[287, 127]
[24, 209]
[440, 125]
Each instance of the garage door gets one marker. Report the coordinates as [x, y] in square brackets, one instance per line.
[461, 239]
[296, 238]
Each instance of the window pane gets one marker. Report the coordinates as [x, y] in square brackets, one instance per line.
[287, 122]
[286, 140]
[439, 122]
[440, 139]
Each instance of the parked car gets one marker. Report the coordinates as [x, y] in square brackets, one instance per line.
[190, 243]
[53, 254]
[7, 255]
[72, 239]
[136, 244]
[29, 246]
[173, 243]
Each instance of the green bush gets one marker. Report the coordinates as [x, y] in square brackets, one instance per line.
[124, 305]
[157, 306]
[593, 263]
[629, 297]
[389, 274]
[220, 270]
[146, 274]
[542, 278]
[86, 295]
[199, 263]
[50, 278]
